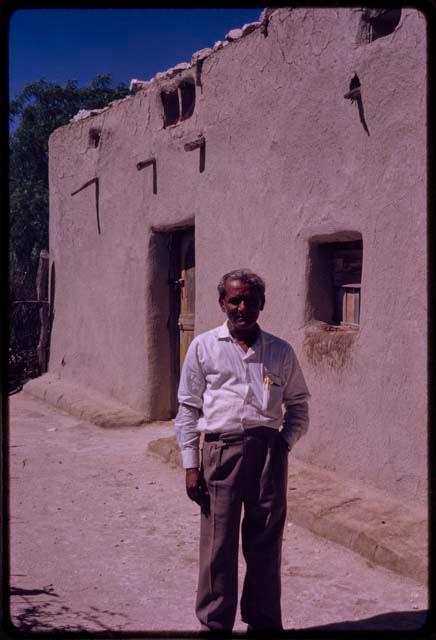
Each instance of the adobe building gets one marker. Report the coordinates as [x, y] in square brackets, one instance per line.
[297, 148]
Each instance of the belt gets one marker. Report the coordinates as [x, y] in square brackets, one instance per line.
[256, 432]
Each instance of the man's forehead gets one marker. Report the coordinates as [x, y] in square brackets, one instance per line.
[237, 286]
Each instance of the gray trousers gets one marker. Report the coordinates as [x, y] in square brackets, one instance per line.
[249, 471]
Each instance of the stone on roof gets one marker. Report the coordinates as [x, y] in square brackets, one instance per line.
[173, 71]
[201, 54]
[137, 85]
[86, 113]
[266, 13]
[181, 66]
[234, 34]
[250, 27]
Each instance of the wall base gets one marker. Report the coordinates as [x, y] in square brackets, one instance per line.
[83, 403]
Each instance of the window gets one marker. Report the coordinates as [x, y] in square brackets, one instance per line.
[187, 98]
[170, 101]
[384, 22]
[378, 23]
[350, 306]
[335, 275]
[346, 260]
[178, 104]
[94, 138]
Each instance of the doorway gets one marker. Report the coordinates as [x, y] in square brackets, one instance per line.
[181, 282]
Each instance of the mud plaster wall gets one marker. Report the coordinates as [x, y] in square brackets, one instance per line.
[287, 159]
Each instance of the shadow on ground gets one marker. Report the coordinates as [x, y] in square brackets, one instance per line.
[36, 615]
[30, 612]
[390, 622]
[395, 625]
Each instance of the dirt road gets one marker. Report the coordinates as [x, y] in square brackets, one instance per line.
[104, 538]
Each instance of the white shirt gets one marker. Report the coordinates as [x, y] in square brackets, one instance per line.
[235, 390]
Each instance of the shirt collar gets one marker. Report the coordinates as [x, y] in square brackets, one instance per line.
[224, 334]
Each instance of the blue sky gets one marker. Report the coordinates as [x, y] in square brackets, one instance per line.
[77, 44]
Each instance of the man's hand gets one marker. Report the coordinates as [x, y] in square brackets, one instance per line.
[284, 444]
[193, 484]
[197, 490]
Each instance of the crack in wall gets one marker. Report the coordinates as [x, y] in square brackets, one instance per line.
[211, 65]
[267, 62]
[148, 101]
[335, 507]
[280, 46]
[286, 16]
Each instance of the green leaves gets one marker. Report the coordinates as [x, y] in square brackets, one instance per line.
[39, 109]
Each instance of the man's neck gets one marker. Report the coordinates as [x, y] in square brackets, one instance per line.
[244, 337]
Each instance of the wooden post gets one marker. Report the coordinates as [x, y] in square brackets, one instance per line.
[198, 143]
[42, 297]
[146, 163]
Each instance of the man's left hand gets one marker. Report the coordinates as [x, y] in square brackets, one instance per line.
[284, 444]
[197, 490]
[192, 484]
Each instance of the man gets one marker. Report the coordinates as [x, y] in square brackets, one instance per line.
[234, 381]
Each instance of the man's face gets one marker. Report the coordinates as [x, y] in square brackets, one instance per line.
[242, 304]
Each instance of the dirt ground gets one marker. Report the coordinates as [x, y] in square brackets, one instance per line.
[103, 537]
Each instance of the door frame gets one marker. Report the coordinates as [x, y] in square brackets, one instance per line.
[174, 275]
[163, 367]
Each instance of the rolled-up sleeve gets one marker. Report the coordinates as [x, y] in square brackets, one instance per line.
[295, 399]
[190, 396]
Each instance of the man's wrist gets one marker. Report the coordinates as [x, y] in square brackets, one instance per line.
[191, 458]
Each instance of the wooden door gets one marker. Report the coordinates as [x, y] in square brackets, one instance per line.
[187, 293]
[182, 302]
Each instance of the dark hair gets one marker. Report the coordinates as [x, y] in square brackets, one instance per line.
[247, 277]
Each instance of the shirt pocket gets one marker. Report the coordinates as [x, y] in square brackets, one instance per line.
[272, 392]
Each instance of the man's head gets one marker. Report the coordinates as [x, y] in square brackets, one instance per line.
[242, 298]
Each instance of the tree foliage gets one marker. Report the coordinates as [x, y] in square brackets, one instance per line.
[39, 109]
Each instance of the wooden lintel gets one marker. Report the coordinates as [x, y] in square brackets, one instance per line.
[145, 163]
[354, 93]
[97, 198]
[85, 185]
[195, 144]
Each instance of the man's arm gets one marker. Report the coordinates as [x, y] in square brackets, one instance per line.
[190, 395]
[295, 399]
[188, 439]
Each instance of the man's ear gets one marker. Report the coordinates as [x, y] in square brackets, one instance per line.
[262, 304]
[221, 304]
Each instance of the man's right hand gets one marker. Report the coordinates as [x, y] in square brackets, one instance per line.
[193, 484]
